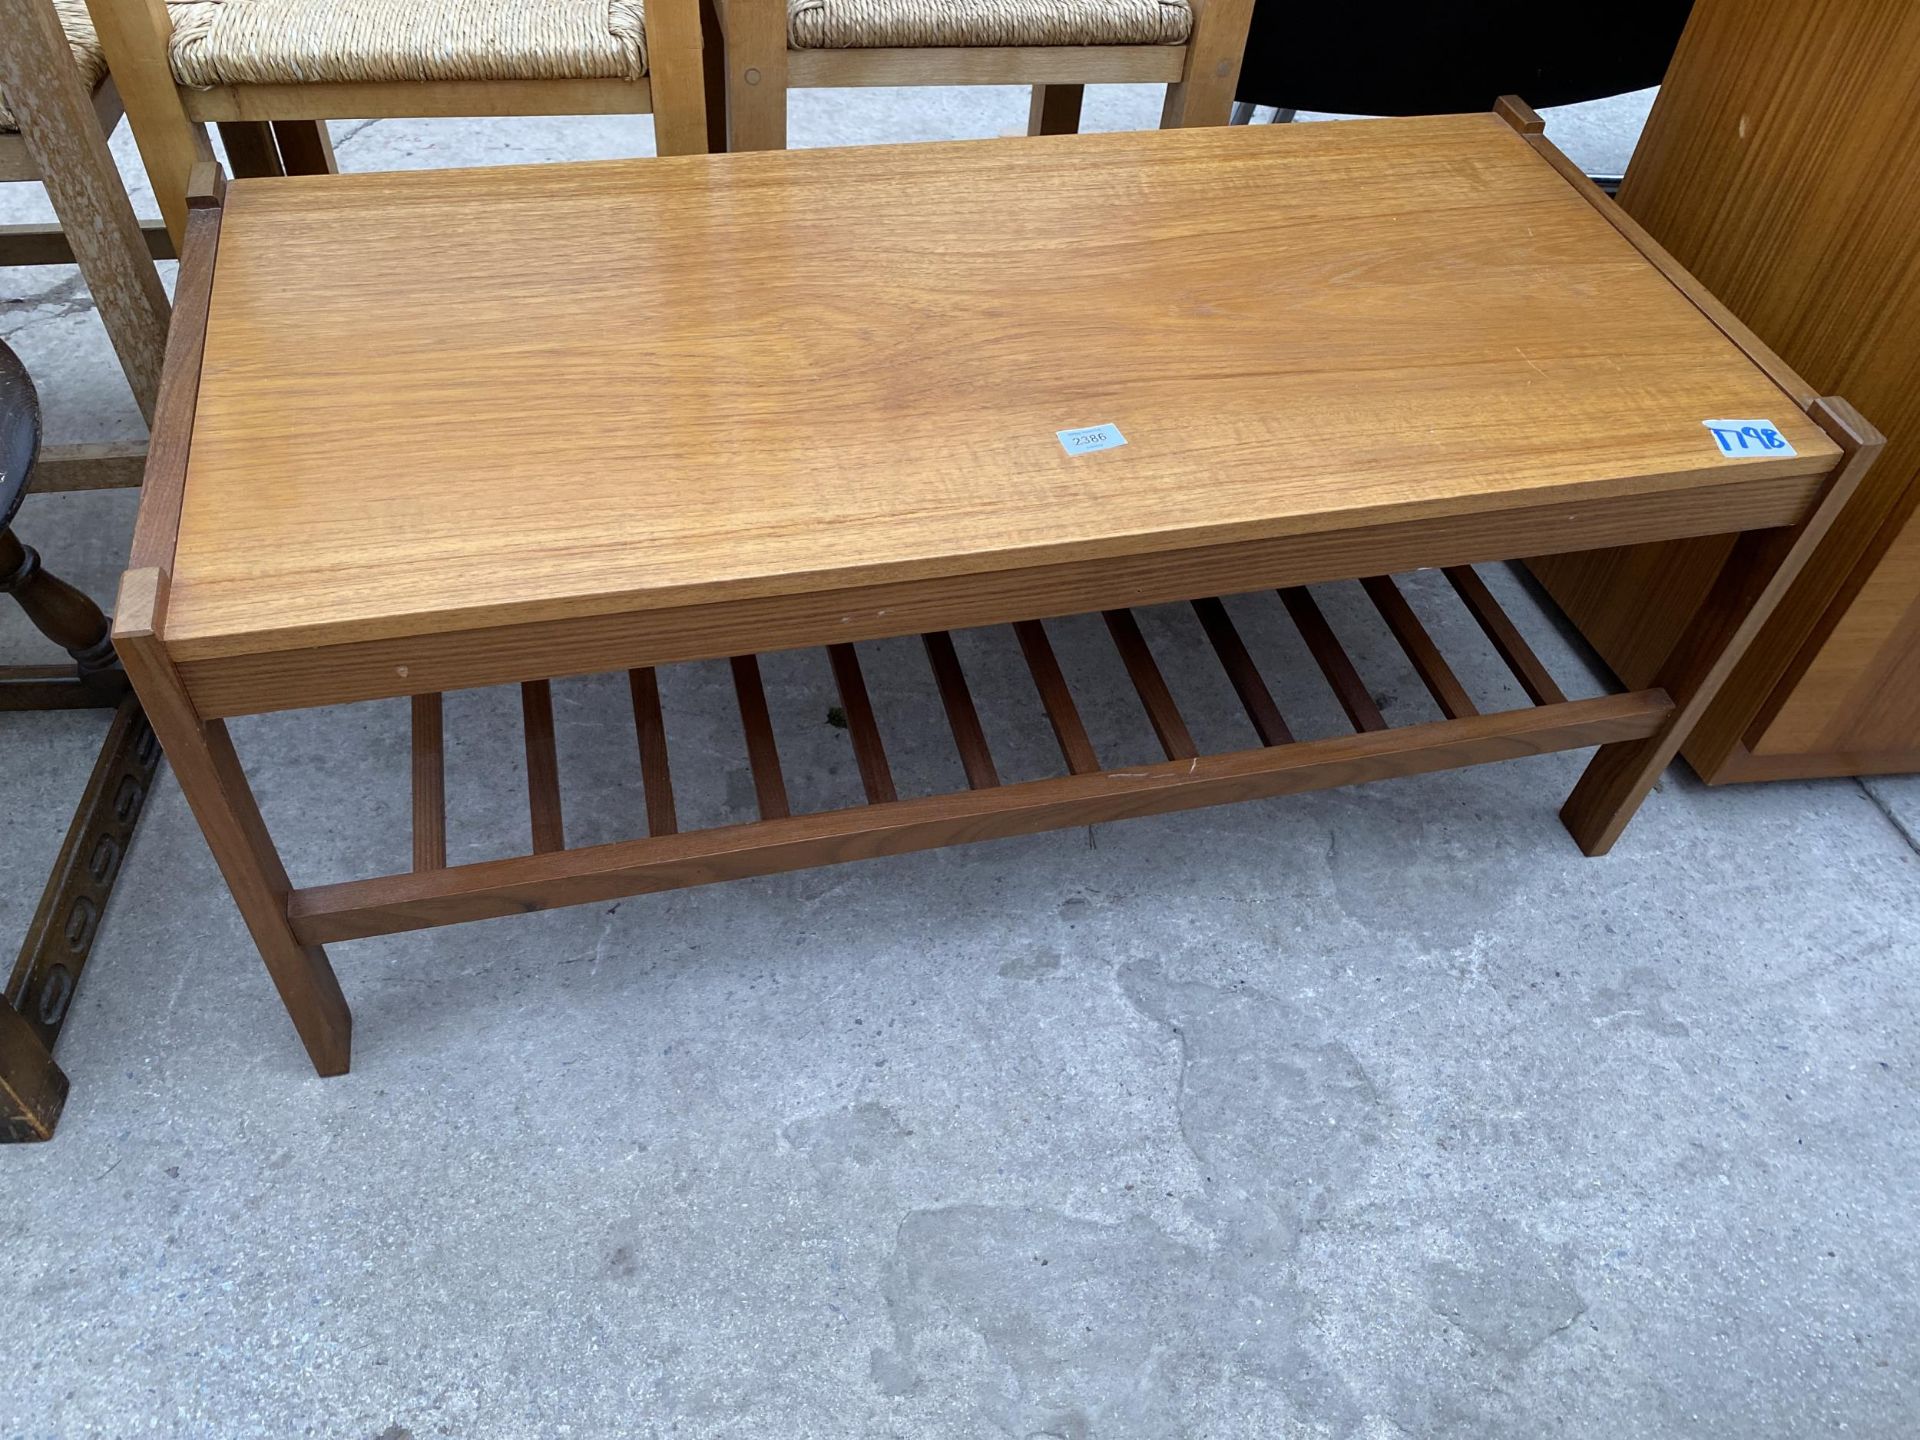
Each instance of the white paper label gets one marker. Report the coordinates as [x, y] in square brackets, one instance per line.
[1091, 438]
[1748, 439]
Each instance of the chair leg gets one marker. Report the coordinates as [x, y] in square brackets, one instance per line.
[1215, 45]
[713, 58]
[1055, 110]
[676, 72]
[135, 34]
[756, 34]
[251, 148]
[32, 1087]
[306, 147]
[63, 614]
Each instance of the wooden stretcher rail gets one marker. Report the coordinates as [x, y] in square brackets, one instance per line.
[878, 785]
[361, 908]
[885, 824]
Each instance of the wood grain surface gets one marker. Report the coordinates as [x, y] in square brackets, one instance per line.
[751, 376]
[1781, 165]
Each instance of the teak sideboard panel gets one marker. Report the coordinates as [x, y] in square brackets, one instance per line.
[1781, 165]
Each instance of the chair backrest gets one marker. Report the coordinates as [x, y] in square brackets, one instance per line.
[1413, 57]
[19, 432]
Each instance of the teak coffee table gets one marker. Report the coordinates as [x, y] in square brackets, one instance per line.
[422, 432]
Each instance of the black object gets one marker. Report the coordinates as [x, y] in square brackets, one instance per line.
[19, 433]
[1441, 57]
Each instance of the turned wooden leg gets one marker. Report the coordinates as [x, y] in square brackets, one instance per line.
[1055, 109]
[1761, 569]
[57, 610]
[216, 788]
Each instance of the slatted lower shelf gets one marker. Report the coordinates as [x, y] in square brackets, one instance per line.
[553, 875]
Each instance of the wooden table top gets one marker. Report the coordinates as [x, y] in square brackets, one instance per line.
[448, 399]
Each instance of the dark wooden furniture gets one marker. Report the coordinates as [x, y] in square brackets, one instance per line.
[1781, 165]
[41, 985]
[819, 399]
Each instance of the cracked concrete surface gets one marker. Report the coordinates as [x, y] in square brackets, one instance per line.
[1379, 1113]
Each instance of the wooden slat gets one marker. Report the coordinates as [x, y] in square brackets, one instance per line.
[543, 767]
[868, 751]
[987, 65]
[1513, 648]
[1348, 687]
[1435, 673]
[1268, 723]
[429, 784]
[1149, 684]
[650, 728]
[1075, 748]
[157, 528]
[48, 244]
[968, 737]
[605, 872]
[763, 753]
[411, 99]
[90, 465]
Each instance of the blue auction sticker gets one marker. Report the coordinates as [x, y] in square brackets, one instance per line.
[1748, 439]
[1091, 438]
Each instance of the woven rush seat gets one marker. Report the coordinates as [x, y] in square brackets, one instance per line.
[885, 24]
[301, 42]
[87, 54]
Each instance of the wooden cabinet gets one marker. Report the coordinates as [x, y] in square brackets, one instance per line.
[1781, 165]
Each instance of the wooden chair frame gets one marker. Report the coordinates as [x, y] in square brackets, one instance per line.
[759, 70]
[275, 129]
[62, 145]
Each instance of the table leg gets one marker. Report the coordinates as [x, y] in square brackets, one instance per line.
[1756, 576]
[1055, 109]
[216, 788]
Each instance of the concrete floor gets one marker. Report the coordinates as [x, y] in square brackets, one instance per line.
[1377, 1113]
